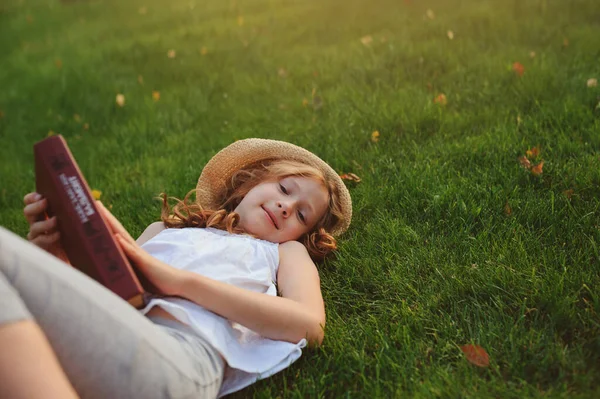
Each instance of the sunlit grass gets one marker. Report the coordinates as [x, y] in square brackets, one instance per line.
[452, 241]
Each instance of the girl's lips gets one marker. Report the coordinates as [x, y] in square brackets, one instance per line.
[270, 217]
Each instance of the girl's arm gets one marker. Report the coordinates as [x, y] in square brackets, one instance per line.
[298, 313]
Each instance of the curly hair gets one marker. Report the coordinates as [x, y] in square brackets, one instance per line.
[318, 241]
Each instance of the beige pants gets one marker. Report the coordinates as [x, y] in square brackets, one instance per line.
[106, 347]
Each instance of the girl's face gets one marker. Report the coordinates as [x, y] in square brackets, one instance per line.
[284, 209]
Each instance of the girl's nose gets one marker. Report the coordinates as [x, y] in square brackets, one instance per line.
[285, 208]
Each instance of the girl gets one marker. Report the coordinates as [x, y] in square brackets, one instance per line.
[238, 294]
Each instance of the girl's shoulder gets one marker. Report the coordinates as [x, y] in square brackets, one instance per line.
[294, 252]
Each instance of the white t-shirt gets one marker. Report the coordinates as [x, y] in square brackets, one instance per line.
[236, 259]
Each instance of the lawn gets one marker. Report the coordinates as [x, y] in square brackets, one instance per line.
[456, 238]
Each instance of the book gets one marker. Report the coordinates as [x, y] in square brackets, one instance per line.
[85, 235]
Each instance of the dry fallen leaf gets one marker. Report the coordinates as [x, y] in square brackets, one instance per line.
[568, 193]
[532, 54]
[171, 53]
[440, 99]
[518, 68]
[120, 100]
[524, 162]
[592, 82]
[537, 169]
[476, 355]
[350, 176]
[507, 209]
[304, 102]
[430, 14]
[565, 42]
[86, 126]
[375, 136]
[155, 95]
[450, 35]
[533, 153]
[96, 194]
[203, 51]
[366, 40]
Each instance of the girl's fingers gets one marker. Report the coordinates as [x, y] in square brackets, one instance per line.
[46, 240]
[39, 228]
[126, 245]
[30, 198]
[115, 225]
[34, 210]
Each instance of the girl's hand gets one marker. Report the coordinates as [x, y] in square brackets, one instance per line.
[165, 278]
[43, 231]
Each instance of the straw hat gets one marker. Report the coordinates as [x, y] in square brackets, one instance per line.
[242, 153]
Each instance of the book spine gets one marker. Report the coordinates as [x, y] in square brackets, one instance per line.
[86, 238]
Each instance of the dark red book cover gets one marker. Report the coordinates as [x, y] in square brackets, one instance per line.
[85, 235]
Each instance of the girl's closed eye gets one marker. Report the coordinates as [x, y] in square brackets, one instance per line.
[300, 215]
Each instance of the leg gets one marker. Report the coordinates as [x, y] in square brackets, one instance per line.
[105, 346]
[28, 366]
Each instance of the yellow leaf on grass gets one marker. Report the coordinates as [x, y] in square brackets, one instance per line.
[203, 51]
[50, 133]
[96, 194]
[120, 100]
[366, 40]
[143, 10]
[430, 14]
[440, 99]
[171, 53]
[240, 20]
[537, 169]
[375, 136]
[592, 82]
[476, 355]
[86, 126]
[350, 176]
[304, 102]
[156, 95]
[518, 68]
[450, 35]
[533, 153]
[524, 162]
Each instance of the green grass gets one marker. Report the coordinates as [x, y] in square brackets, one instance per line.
[432, 260]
